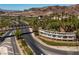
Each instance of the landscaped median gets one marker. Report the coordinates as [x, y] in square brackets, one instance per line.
[57, 43]
[24, 47]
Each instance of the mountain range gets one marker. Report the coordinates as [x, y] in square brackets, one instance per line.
[72, 9]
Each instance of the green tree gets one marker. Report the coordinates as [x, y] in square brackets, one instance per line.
[18, 34]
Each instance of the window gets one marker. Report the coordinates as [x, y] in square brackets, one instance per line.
[64, 36]
[70, 36]
[49, 34]
[54, 35]
[59, 36]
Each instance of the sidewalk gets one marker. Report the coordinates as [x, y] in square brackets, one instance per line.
[64, 48]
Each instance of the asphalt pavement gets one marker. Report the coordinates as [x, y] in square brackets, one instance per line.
[15, 48]
[30, 41]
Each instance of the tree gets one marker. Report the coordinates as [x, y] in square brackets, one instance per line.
[18, 34]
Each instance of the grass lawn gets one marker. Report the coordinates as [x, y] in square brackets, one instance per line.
[58, 43]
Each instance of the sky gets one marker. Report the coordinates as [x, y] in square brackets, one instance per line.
[26, 6]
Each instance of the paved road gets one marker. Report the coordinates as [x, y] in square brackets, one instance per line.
[39, 48]
[53, 51]
[5, 34]
[29, 40]
[15, 48]
[14, 45]
[12, 41]
[6, 43]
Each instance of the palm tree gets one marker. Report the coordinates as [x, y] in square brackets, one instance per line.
[18, 34]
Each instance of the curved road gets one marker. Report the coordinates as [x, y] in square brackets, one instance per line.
[38, 48]
[30, 41]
